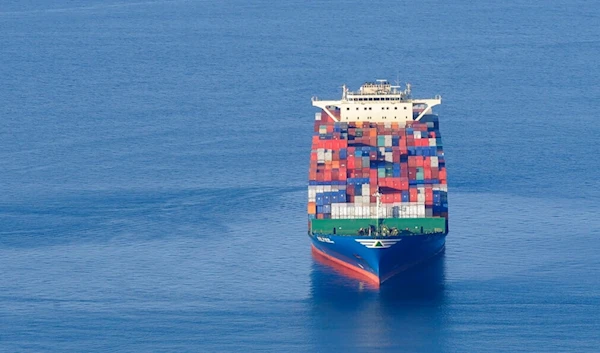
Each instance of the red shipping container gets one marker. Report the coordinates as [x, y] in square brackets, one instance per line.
[373, 174]
[404, 184]
[435, 174]
[442, 173]
[351, 163]
[428, 196]
[351, 151]
[397, 197]
[427, 173]
[335, 174]
[384, 182]
[327, 175]
[413, 195]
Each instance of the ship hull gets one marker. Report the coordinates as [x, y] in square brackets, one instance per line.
[378, 259]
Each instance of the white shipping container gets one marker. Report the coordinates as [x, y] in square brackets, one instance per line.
[389, 157]
[335, 214]
[432, 142]
[417, 134]
[366, 189]
[388, 140]
[434, 162]
[320, 188]
[326, 188]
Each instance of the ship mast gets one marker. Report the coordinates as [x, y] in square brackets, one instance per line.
[377, 194]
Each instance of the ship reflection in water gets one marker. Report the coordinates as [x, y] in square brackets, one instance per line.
[406, 312]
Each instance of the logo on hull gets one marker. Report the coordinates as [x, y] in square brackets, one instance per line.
[325, 240]
[378, 243]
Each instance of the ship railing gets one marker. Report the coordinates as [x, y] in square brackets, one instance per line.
[380, 234]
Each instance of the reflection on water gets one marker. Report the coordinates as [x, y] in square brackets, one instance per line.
[406, 312]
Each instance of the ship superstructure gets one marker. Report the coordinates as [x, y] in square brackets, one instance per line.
[377, 194]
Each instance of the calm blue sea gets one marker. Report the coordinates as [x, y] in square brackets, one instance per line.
[154, 159]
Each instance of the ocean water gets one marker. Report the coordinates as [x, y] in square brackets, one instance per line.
[154, 157]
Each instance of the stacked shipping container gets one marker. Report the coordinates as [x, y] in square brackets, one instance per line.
[351, 161]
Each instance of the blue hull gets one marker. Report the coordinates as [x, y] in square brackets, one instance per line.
[379, 259]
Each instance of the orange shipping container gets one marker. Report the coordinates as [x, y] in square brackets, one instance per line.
[312, 208]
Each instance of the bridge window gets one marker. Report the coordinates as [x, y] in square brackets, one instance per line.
[404, 108]
[370, 108]
[396, 108]
[347, 108]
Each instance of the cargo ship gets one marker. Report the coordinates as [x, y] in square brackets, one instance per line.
[377, 193]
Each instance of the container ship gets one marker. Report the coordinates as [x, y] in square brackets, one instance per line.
[377, 193]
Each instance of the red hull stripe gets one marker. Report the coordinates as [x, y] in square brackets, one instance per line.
[368, 275]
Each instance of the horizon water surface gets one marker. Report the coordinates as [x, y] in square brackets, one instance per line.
[154, 159]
